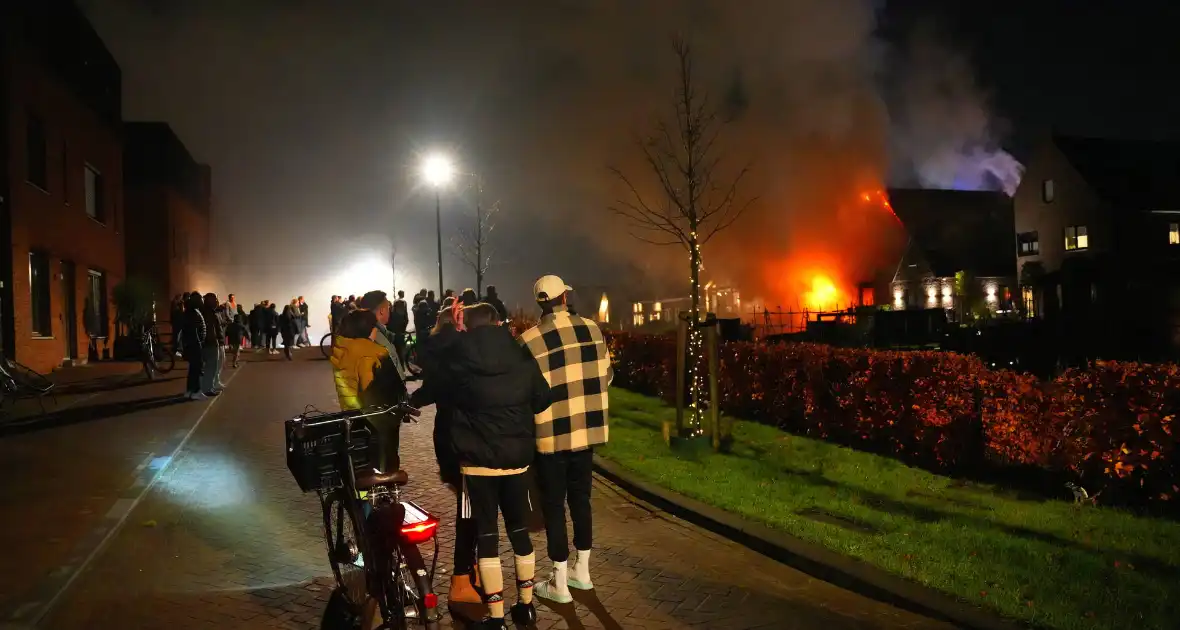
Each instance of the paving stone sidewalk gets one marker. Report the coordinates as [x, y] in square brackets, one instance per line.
[226, 540]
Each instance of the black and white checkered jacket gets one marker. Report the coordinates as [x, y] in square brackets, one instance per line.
[574, 358]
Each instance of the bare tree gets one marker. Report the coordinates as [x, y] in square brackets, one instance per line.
[696, 198]
[472, 244]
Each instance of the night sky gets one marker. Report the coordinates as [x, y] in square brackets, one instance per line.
[314, 116]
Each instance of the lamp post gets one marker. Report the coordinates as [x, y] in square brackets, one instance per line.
[437, 170]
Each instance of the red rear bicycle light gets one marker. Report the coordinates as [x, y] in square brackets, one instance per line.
[431, 600]
[419, 533]
[419, 525]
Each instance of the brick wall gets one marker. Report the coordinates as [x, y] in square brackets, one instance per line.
[54, 220]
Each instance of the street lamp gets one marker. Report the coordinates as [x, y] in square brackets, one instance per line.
[438, 170]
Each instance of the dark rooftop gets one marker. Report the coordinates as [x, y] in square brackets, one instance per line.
[958, 230]
[1132, 174]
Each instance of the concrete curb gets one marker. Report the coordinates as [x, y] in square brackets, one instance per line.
[818, 562]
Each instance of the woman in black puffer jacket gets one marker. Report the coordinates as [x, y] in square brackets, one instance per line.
[192, 340]
[495, 390]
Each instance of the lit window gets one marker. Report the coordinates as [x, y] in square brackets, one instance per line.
[1076, 238]
[1028, 244]
[1047, 191]
[1174, 234]
[1030, 303]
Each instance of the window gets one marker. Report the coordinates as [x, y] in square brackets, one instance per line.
[94, 208]
[1174, 234]
[1047, 191]
[42, 321]
[35, 153]
[1076, 238]
[1028, 244]
[96, 304]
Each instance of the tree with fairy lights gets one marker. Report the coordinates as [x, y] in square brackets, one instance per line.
[696, 197]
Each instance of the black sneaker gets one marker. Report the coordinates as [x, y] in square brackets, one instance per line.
[213, 392]
[489, 623]
[524, 614]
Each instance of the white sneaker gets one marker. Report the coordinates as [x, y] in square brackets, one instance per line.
[197, 396]
[555, 589]
[580, 575]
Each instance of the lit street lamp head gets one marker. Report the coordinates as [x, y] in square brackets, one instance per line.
[437, 170]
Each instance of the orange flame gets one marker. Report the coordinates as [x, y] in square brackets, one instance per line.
[822, 270]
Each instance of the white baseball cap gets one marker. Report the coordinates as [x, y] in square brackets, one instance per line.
[549, 288]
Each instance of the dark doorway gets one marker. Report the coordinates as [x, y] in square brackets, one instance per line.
[69, 275]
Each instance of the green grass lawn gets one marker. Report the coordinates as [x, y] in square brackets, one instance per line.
[1049, 562]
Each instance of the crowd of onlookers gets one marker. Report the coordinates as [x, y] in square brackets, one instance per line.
[505, 407]
[203, 328]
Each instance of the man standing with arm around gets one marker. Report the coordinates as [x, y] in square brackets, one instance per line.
[574, 358]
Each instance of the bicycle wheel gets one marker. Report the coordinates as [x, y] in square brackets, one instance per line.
[28, 378]
[163, 361]
[344, 534]
[326, 345]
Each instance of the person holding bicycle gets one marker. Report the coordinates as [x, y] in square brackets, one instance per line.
[366, 376]
[495, 390]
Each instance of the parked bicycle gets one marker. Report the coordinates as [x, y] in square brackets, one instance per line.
[19, 381]
[373, 536]
[156, 358]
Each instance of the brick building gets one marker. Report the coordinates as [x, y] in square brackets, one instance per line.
[168, 206]
[61, 182]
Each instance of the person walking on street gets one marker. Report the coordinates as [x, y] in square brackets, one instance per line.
[289, 327]
[572, 354]
[257, 320]
[306, 323]
[192, 343]
[237, 334]
[214, 348]
[493, 298]
[495, 390]
[272, 328]
[399, 324]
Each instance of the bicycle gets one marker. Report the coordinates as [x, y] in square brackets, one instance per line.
[156, 358]
[20, 381]
[372, 535]
[326, 345]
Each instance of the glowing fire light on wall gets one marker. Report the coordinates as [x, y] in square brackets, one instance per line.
[823, 294]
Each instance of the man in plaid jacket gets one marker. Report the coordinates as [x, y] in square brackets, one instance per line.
[573, 356]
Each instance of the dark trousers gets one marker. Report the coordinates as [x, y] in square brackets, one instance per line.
[272, 339]
[196, 363]
[507, 494]
[465, 539]
[565, 478]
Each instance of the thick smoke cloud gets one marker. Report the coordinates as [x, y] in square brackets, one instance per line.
[313, 115]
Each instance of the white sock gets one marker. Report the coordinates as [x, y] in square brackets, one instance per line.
[582, 567]
[561, 575]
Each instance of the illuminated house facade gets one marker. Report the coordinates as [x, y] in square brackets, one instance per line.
[959, 253]
[1097, 230]
[725, 302]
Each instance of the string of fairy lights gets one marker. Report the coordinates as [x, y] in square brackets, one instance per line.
[695, 351]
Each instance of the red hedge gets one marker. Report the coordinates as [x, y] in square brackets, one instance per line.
[1109, 427]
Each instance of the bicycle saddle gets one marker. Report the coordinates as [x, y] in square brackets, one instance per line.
[369, 478]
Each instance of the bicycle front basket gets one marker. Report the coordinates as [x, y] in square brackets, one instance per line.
[314, 446]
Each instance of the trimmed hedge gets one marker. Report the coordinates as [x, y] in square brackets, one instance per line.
[1110, 428]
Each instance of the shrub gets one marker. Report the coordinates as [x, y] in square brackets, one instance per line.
[1109, 427]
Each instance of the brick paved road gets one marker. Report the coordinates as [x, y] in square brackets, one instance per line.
[225, 540]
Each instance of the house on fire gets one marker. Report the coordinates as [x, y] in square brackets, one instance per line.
[959, 254]
[1098, 243]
